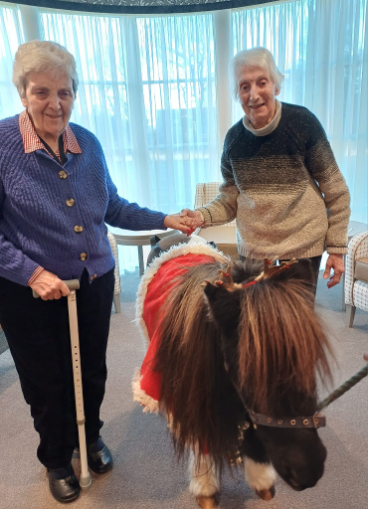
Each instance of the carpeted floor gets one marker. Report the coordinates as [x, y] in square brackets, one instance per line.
[145, 474]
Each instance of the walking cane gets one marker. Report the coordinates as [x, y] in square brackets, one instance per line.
[73, 285]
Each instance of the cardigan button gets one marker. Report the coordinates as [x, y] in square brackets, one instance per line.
[78, 229]
[70, 202]
[83, 257]
[63, 174]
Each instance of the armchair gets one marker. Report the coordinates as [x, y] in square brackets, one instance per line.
[356, 276]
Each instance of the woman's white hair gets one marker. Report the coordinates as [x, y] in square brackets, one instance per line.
[42, 56]
[256, 57]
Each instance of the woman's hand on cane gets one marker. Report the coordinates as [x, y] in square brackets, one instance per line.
[49, 287]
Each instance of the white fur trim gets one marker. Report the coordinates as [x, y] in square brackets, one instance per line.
[149, 404]
[204, 479]
[259, 476]
[195, 239]
[195, 247]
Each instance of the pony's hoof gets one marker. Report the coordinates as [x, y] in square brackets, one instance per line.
[266, 495]
[209, 502]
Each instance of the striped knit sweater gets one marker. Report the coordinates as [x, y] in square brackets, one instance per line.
[284, 188]
[39, 228]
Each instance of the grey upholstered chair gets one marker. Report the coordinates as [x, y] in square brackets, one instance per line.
[356, 276]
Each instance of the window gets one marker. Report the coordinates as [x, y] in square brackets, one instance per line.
[147, 90]
[322, 48]
[10, 37]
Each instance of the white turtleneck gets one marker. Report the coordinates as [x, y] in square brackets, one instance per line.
[263, 131]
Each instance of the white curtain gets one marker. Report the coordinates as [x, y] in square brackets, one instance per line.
[147, 90]
[322, 48]
[10, 37]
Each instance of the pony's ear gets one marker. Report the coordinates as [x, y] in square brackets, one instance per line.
[154, 240]
[214, 292]
[224, 305]
[249, 269]
[301, 270]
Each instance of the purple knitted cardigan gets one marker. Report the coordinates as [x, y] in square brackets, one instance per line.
[38, 228]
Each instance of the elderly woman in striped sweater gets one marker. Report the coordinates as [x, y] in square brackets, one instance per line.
[280, 178]
[56, 195]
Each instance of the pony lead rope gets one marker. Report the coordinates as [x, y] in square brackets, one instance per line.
[346, 386]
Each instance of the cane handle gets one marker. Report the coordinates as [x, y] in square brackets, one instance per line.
[72, 284]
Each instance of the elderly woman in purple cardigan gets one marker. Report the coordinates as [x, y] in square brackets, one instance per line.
[56, 195]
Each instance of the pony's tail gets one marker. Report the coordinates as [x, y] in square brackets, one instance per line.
[281, 342]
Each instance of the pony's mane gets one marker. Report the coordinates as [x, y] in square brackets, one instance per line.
[281, 344]
[196, 394]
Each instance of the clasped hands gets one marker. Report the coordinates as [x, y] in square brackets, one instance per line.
[187, 221]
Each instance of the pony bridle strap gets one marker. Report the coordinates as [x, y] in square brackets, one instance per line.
[315, 421]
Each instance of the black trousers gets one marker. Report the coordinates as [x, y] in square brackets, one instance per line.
[38, 335]
[315, 263]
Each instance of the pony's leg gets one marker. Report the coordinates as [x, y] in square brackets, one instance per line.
[204, 480]
[261, 477]
[259, 473]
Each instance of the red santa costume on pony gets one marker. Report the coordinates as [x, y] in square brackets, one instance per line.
[155, 287]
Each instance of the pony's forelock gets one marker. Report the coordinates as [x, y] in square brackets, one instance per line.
[282, 344]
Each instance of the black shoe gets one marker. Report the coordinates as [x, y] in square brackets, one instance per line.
[99, 457]
[63, 484]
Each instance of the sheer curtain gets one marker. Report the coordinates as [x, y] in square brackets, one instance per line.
[10, 37]
[147, 90]
[322, 48]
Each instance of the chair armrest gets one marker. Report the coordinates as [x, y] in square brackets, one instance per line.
[205, 193]
[357, 248]
[114, 249]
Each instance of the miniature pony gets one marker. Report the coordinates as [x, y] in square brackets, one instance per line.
[233, 356]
